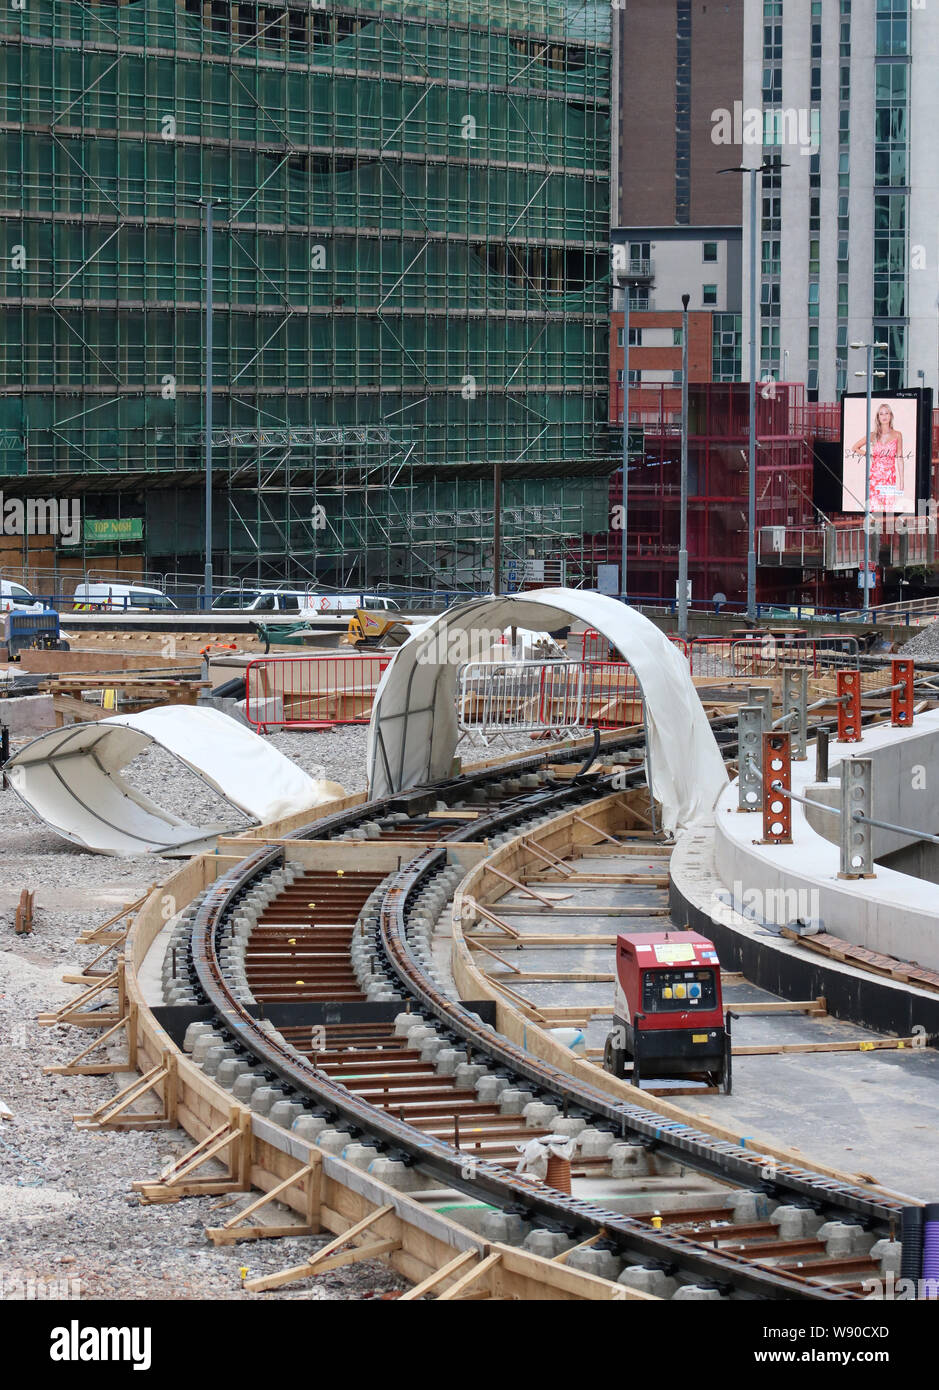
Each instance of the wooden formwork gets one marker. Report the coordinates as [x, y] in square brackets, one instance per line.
[568, 836]
[326, 1195]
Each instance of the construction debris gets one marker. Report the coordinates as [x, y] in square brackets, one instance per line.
[23, 919]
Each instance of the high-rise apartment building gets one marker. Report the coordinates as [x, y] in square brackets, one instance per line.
[849, 228]
[676, 220]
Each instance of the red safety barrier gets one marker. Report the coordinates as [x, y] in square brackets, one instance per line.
[612, 698]
[310, 692]
[849, 707]
[901, 701]
[594, 646]
[777, 778]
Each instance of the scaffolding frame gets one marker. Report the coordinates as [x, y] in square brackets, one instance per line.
[414, 239]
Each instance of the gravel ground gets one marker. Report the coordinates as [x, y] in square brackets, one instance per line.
[68, 1219]
[924, 643]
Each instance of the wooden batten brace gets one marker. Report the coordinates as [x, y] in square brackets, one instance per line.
[333, 1254]
[108, 931]
[80, 1066]
[310, 1176]
[458, 1289]
[490, 917]
[88, 975]
[232, 1138]
[581, 820]
[112, 1113]
[478, 946]
[522, 888]
[548, 857]
[77, 1012]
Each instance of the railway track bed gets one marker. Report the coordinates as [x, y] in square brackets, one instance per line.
[306, 983]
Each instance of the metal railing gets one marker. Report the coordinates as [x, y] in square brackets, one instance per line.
[542, 696]
[765, 655]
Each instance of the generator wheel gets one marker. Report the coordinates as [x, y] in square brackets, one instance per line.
[614, 1058]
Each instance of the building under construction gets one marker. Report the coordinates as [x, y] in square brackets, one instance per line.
[411, 283]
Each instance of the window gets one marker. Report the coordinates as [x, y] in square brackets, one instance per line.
[635, 337]
[676, 337]
[709, 294]
[676, 378]
[710, 250]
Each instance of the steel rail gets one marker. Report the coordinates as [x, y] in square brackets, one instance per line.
[458, 1169]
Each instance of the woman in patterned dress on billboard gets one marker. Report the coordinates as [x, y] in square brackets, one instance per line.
[887, 462]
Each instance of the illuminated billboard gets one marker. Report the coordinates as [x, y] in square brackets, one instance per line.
[895, 451]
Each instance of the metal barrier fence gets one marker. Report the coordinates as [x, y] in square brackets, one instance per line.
[308, 691]
[769, 655]
[537, 696]
[595, 647]
[767, 752]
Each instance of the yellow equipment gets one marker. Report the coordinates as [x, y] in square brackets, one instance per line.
[375, 629]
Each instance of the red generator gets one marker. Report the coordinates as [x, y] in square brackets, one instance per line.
[668, 1017]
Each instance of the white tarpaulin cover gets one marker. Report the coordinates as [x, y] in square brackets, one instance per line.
[71, 779]
[413, 730]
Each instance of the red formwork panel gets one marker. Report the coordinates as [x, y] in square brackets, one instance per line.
[849, 707]
[901, 701]
[777, 779]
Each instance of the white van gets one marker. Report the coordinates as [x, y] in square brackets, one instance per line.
[17, 596]
[305, 603]
[348, 603]
[104, 597]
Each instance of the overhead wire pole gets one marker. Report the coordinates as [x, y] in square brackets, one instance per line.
[751, 441]
[624, 514]
[497, 527]
[207, 599]
[764, 168]
[683, 513]
[209, 205]
[868, 374]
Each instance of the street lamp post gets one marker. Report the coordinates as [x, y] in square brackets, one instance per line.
[624, 513]
[683, 513]
[767, 167]
[869, 373]
[209, 204]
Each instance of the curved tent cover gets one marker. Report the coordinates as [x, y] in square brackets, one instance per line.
[71, 778]
[413, 730]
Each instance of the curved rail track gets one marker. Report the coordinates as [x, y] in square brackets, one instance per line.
[389, 1092]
